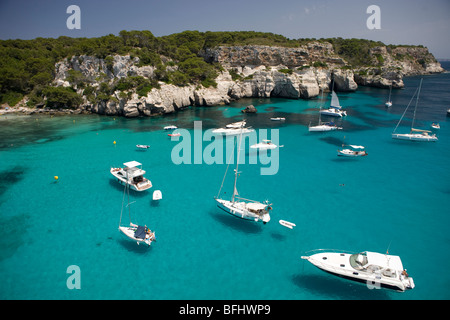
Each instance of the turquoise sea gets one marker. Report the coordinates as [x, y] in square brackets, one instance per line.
[396, 198]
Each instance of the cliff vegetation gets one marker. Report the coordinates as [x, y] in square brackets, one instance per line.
[108, 72]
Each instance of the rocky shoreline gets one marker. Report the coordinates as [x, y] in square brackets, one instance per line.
[246, 72]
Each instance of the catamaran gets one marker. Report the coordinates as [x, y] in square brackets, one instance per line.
[133, 175]
[140, 234]
[335, 109]
[367, 267]
[240, 207]
[414, 134]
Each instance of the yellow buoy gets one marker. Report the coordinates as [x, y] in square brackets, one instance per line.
[56, 177]
[114, 142]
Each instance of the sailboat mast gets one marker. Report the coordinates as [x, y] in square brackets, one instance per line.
[237, 166]
[417, 101]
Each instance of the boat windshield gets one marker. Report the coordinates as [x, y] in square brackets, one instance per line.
[358, 261]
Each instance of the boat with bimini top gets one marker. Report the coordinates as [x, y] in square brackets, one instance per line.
[133, 175]
[140, 234]
[374, 269]
[352, 151]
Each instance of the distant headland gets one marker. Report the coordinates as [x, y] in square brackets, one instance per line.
[137, 74]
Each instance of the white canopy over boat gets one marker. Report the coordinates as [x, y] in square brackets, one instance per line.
[133, 175]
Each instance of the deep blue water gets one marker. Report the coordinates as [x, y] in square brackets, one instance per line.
[396, 197]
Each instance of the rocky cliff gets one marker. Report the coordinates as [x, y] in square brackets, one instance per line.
[246, 71]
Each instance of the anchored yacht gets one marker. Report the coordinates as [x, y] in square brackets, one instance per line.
[133, 175]
[374, 269]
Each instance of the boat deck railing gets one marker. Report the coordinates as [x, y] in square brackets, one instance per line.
[314, 251]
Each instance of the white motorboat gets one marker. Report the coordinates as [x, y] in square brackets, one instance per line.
[278, 119]
[142, 146]
[140, 234]
[133, 175]
[324, 126]
[335, 109]
[414, 134]
[352, 151]
[171, 127]
[232, 131]
[448, 112]
[376, 270]
[236, 125]
[240, 207]
[265, 144]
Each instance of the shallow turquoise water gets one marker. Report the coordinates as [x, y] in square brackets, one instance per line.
[396, 197]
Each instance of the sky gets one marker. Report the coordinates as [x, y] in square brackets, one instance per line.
[415, 22]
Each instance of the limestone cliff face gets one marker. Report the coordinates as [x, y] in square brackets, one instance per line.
[248, 71]
[389, 66]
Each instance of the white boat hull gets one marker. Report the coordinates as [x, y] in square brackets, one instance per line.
[121, 178]
[388, 104]
[414, 137]
[157, 195]
[322, 128]
[129, 232]
[263, 146]
[232, 131]
[333, 113]
[351, 153]
[339, 264]
[239, 209]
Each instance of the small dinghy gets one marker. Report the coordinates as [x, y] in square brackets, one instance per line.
[157, 195]
[142, 146]
[287, 224]
[174, 134]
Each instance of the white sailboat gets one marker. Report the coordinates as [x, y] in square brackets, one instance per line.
[140, 234]
[371, 268]
[389, 102]
[414, 134]
[335, 109]
[240, 207]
